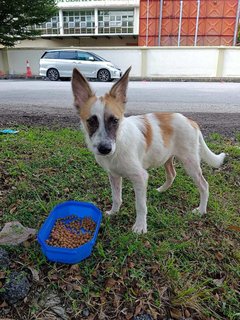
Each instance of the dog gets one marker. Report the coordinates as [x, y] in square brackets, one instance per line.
[128, 146]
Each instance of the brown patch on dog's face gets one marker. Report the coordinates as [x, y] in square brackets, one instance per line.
[113, 114]
[147, 131]
[193, 124]
[85, 110]
[166, 128]
[113, 106]
[92, 125]
[111, 123]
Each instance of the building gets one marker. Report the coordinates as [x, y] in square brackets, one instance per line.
[188, 22]
[90, 23]
[108, 23]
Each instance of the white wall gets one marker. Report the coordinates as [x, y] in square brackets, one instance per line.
[17, 60]
[182, 63]
[231, 65]
[148, 62]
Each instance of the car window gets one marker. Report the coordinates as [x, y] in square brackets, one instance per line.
[96, 57]
[83, 56]
[51, 55]
[69, 55]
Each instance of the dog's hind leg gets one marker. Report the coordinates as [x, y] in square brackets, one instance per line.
[192, 167]
[116, 185]
[170, 175]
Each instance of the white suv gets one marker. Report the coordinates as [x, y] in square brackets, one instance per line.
[57, 64]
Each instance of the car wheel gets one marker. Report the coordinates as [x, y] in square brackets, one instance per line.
[53, 74]
[104, 75]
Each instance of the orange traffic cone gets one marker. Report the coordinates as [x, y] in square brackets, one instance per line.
[29, 71]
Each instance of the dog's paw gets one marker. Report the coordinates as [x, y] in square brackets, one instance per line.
[139, 227]
[110, 212]
[198, 211]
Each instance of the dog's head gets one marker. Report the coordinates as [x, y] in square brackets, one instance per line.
[101, 117]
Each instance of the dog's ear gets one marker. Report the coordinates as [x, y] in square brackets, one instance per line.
[119, 89]
[81, 89]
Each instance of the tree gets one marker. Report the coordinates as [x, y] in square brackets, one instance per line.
[17, 18]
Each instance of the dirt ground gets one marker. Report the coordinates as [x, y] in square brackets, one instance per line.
[226, 124]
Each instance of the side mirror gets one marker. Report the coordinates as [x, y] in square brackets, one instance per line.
[91, 59]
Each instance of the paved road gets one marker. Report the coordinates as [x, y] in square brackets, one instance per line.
[47, 96]
[215, 106]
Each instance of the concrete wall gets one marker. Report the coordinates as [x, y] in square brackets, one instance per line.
[1, 62]
[99, 41]
[150, 62]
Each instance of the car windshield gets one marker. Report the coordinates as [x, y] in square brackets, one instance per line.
[97, 57]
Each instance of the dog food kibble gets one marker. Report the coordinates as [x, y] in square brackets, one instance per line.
[71, 232]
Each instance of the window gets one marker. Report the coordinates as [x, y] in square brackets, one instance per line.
[115, 21]
[78, 22]
[49, 27]
[51, 55]
[69, 55]
[83, 56]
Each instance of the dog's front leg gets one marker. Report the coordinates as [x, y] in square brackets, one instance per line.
[116, 185]
[140, 181]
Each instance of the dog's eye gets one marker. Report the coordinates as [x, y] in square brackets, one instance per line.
[114, 120]
[92, 121]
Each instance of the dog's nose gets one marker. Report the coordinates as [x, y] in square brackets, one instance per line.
[104, 149]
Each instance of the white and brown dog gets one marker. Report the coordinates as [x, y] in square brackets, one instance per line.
[128, 146]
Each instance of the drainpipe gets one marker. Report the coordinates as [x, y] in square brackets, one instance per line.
[236, 24]
[197, 22]
[180, 23]
[160, 23]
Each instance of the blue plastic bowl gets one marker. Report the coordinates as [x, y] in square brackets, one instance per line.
[65, 255]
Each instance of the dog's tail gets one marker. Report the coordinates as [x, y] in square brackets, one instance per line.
[214, 160]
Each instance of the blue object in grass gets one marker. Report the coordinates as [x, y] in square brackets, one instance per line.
[8, 131]
[65, 209]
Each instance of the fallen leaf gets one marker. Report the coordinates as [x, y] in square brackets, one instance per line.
[116, 301]
[219, 282]
[4, 305]
[74, 269]
[131, 264]
[147, 244]
[14, 233]
[26, 244]
[2, 274]
[13, 209]
[53, 276]
[138, 308]
[110, 283]
[35, 274]
[219, 256]
[77, 287]
[217, 297]
[60, 312]
[234, 228]
[187, 313]
[155, 267]
[52, 300]
[176, 314]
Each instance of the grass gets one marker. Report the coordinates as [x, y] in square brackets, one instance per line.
[184, 265]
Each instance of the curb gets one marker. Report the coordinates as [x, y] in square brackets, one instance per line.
[160, 79]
